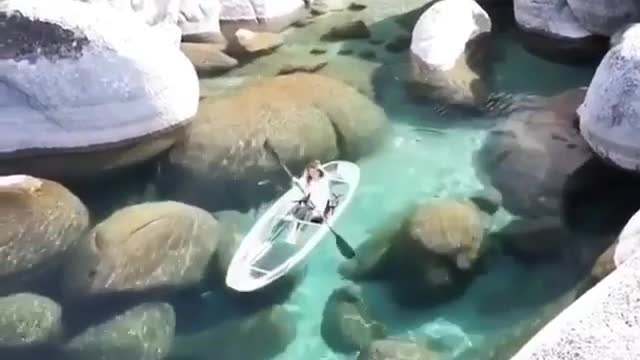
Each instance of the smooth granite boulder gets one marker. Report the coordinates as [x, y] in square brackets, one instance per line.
[610, 113]
[39, 220]
[150, 246]
[605, 17]
[449, 53]
[29, 320]
[262, 15]
[80, 96]
[603, 323]
[550, 29]
[144, 332]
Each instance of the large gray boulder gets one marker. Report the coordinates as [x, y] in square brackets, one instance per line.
[446, 59]
[605, 17]
[80, 95]
[551, 30]
[611, 109]
[200, 20]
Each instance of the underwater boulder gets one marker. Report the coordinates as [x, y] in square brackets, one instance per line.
[144, 332]
[529, 157]
[258, 336]
[610, 110]
[39, 220]
[429, 253]
[347, 325]
[51, 129]
[152, 246]
[397, 349]
[550, 29]
[304, 116]
[29, 320]
[605, 263]
[208, 59]
[450, 53]
[605, 17]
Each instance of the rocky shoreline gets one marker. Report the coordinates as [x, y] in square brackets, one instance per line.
[176, 97]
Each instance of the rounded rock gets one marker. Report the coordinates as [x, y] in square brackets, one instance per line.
[145, 332]
[448, 52]
[157, 245]
[137, 88]
[605, 17]
[29, 320]
[610, 111]
[551, 30]
[39, 220]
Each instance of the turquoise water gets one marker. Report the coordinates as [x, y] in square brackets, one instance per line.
[421, 165]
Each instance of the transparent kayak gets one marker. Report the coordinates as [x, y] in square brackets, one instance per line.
[278, 241]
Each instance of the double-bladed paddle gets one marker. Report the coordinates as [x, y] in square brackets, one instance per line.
[343, 246]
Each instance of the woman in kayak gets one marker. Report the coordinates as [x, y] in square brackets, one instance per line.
[316, 203]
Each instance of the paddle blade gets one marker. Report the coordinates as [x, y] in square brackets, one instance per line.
[345, 249]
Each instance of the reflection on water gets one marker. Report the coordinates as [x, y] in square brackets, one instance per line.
[476, 283]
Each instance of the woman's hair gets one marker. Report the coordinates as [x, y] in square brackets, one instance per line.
[315, 164]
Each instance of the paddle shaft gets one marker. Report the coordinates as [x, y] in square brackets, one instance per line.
[343, 246]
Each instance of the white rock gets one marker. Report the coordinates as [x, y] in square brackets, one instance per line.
[602, 324]
[605, 17]
[70, 78]
[267, 15]
[329, 5]
[200, 17]
[623, 33]
[628, 240]
[550, 17]
[442, 32]
[610, 113]
[151, 11]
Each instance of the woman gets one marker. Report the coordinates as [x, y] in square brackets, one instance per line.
[315, 205]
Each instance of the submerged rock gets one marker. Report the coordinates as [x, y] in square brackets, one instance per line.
[39, 220]
[258, 42]
[628, 243]
[352, 30]
[605, 263]
[610, 111]
[429, 256]
[259, 336]
[530, 156]
[29, 320]
[449, 53]
[605, 17]
[396, 349]
[144, 332]
[551, 30]
[52, 49]
[347, 325]
[157, 245]
[304, 116]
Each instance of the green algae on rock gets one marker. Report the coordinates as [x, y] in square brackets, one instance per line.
[144, 332]
[39, 220]
[29, 320]
[158, 245]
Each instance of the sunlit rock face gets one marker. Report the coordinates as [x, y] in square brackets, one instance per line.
[611, 109]
[137, 89]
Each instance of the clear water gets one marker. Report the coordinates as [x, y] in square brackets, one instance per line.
[416, 164]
